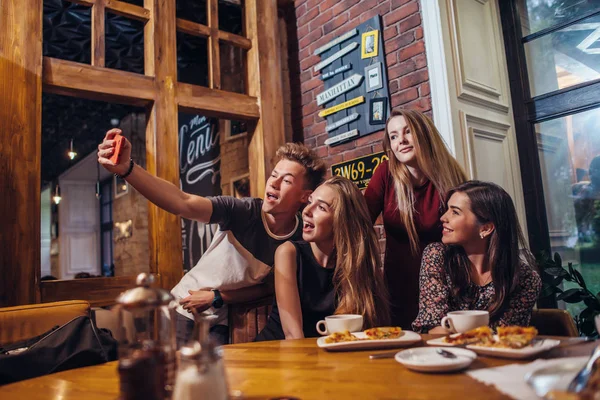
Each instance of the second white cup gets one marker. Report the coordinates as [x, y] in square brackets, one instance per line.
[340, 323]
[462, 321]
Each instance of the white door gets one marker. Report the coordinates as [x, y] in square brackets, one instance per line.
[79, 220]
[470, 92]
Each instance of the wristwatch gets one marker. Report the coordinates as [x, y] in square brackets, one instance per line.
[218, 300]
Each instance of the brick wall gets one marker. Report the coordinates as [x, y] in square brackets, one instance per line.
[316, 23]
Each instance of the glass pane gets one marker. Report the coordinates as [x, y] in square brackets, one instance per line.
[124, 43]
[564, 58]
[76, 248]
[231, 16]
[192, 10]
[67, 31]
[541, 14]
[192, 59]
[233, 68]
[569, 150]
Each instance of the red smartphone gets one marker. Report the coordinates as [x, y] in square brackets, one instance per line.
[118, 144]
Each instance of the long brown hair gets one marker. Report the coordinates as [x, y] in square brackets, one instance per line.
[491, 204]
[358, 276]
[433, 159]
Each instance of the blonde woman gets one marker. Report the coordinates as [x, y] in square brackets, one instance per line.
[408, 191]
[335, 270]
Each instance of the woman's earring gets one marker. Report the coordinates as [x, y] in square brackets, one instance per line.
[481, 235]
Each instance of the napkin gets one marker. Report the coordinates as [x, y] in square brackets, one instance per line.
[510, 379]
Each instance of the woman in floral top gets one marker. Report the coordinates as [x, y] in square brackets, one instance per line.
[478, 266]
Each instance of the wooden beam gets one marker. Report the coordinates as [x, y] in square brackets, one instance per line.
[98, 45]
[128, 10]
[95, 83]
[264, 81]
[162, 141]
[99, 292]
[214, 59]
[235, 40]
[216, 103]
[192, 28]
[20, 149]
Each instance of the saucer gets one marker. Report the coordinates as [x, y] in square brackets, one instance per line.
[426, 359]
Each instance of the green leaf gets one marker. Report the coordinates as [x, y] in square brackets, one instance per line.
[557, 260]
[556, 271]
[556, 281]
[571, 296]
[571, 269]
[579, 278]
[592, 303]
[587, 314]
[588, 328]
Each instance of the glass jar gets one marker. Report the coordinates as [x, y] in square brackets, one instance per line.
[147, 348]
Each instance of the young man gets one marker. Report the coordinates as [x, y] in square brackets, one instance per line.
[235, 265]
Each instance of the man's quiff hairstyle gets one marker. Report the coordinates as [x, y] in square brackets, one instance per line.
[312, 163]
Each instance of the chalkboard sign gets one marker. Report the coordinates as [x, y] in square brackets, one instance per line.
[359, 170]
[355, 100]
[199, 173]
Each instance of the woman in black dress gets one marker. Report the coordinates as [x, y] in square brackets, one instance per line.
[335, 270]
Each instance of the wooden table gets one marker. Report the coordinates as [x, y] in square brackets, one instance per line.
[294, 369]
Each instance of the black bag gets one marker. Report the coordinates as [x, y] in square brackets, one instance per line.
[78, 343]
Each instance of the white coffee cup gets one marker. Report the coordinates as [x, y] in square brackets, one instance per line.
[340, 323]
[462, 321]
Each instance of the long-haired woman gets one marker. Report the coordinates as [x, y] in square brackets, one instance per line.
[335, 270]
[408, 191]
[479, 265]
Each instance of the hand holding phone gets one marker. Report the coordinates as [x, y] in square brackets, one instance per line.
[118, 145]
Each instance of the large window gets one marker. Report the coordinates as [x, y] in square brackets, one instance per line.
[553, 50]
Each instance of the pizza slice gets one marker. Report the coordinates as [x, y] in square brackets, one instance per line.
[387, 332]
[339, 337]
[515, 337]
[482, 334]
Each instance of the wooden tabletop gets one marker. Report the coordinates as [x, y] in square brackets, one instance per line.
[291, 369]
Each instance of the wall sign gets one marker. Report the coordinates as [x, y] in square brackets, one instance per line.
[344, 105]
[338, 40]
[360, 170]
[338, 112]
[341, 88]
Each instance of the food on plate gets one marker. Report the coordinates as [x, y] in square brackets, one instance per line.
[483, 334]
[382, 333]
[515, 337]
[339, 337]
[387, 332]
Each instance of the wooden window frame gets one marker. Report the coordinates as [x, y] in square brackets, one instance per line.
[25, 73]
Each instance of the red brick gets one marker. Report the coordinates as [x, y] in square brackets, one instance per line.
[362, 7]
[343, 6]
[400, 13]
[312, 3]
[398, 3]
[382, 9]
[414, 79]
[305, 76]
[333, 159]
[303, 31]
[306, 18]
[309, 62]
[310, 108]
[335, 23]
[310, 85]
[341, 148]
[401, 69]
[321, 138]
[389, 33]
[307, 97]
[308, 121]
[321, 151]
[420, 105]
[319, 127]
[420, 61]
[358, 152]
[310, 38]
[419, 33]
[369, 139]
[399, 42]
[377, 147]
[301, 10]
[393, 86]
[329, 4]
[310, 143]
[391, 59]
[411, 51]
[404, 96]
[410, 22]
[318, 22]
[424, 90]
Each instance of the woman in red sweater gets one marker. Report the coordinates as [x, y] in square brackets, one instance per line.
[408, 190]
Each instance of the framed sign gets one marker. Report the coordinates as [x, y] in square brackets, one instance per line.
[360, 170]
[378, 111]
[374, 79]
[370, 44]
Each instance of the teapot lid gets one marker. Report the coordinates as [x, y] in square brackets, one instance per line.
[143, 295]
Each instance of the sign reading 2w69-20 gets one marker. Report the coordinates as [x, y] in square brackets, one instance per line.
[361, 169]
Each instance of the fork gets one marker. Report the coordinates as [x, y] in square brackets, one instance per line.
[583, 376]
[445, 353]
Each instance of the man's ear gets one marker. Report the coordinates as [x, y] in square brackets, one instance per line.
[305, 195]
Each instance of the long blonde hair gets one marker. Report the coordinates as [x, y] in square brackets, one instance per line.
[433, 159]
[358, 276]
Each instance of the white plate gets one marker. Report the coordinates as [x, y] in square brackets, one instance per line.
[525, 352]
[407, 338]
[425, 359]
[556, 376]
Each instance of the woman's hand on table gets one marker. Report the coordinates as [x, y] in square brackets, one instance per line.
[438, 330]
